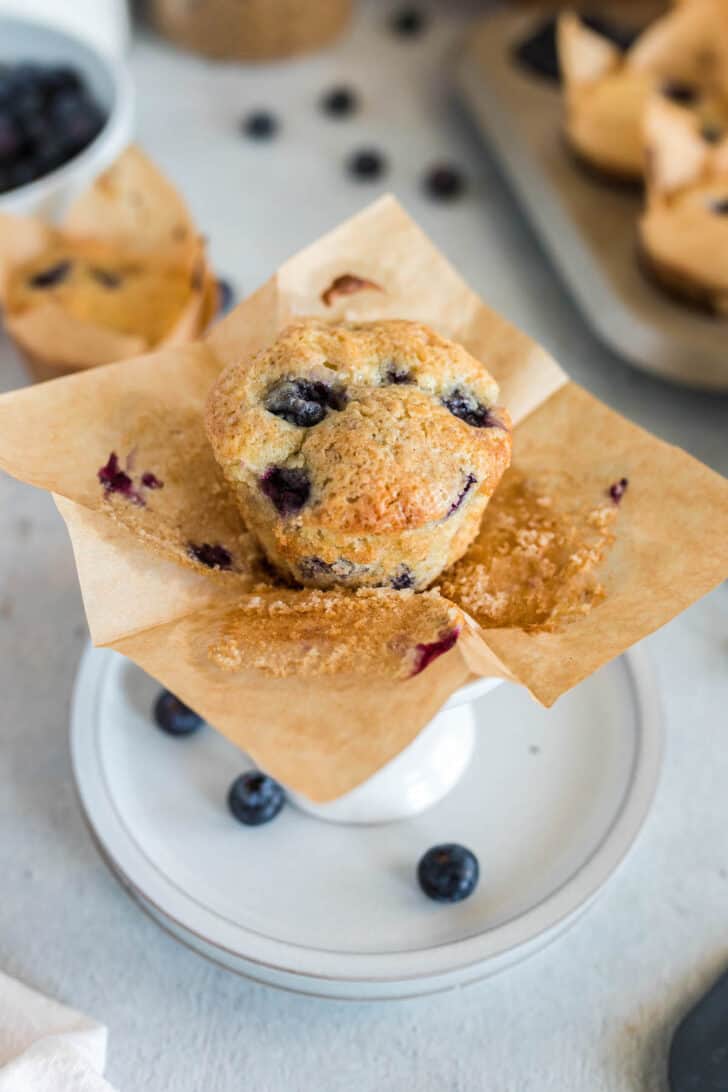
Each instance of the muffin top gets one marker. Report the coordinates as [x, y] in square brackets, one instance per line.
[360, 428]
[108, 286]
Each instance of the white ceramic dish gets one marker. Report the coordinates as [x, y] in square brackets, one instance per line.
[587, 226]
[23, 39]
[551, 802]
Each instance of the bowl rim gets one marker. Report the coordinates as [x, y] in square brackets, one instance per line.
[118, 117]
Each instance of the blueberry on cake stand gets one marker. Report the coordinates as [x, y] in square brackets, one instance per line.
[549, 801]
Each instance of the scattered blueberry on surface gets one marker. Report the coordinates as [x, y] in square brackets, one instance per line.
[260, 125]
[255, 798]
[444, 182]
[366, 165]
[211, 555]
[288, 488]
[174, 717]
[47, 116]
[720, 208]
[339, 102]
[408, 22]
[448, 872]
[698, 1058]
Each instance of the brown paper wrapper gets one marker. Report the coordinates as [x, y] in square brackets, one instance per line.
[132, 206]
[318, 687]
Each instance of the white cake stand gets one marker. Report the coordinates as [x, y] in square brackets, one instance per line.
[550, 801]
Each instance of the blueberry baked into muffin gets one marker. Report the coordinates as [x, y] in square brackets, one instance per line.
[683, 55]
[684, 229]
[361, 454]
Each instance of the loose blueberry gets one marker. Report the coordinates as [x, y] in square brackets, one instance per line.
[402, 579]
[470, 481]
[618, 489]
[685, 94]
[432, 650]
[259, 125]
[397, 374]
[720, 207]
[366, 165]
[444, 182]
[174, 717]
[287, 488]
[339, 102]
[698, 1058]
[303, 402]
[448, 872]
[48, 278]
[408, 22]
[468, 409]
[255, 799]
[211, 555]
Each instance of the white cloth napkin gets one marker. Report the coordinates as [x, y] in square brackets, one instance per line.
[46, 1047]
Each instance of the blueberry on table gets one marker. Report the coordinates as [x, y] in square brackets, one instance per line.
[259, 125]
[255, 798]
[174, 717]
[698, 1060]
[448, 872]
[366, 165]
[408, 22]
[444, 182]
[339, 102]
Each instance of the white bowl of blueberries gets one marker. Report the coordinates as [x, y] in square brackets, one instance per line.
[66, 112]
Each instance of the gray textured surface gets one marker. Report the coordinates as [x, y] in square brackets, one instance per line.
[594, 1010]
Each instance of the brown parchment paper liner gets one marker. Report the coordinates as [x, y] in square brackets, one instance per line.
[130, 205]
[349, 706]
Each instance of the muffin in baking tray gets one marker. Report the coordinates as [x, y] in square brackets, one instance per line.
[684, 55]
[361, 454]
[684, 228]
[134, 294]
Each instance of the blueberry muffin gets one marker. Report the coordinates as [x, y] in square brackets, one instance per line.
[361, 454]
[684, 228]
[107, 286]
[683, 55]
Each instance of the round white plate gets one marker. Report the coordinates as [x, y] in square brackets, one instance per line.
[551, 802]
